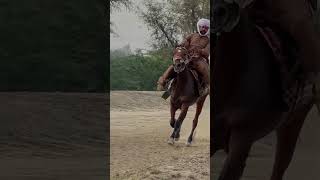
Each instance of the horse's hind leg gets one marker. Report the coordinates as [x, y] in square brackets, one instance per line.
[239, 147]
[287, 136]
[177, 126]
[200, 103]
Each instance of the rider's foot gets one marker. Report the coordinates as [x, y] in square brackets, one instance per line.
[161, 84]
[160, 87]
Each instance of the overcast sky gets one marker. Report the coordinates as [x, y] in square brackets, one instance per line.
[131, 30]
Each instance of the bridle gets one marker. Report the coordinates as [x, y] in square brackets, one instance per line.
[184, 61]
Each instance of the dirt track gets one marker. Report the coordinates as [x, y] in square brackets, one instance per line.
[140, 128]
[139, 132]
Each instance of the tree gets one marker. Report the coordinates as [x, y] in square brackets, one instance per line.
[189, 12]
[117, 4]
[172, 20]
[162, 23]
[121, 52]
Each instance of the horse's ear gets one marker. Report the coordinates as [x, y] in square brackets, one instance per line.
[177, 45]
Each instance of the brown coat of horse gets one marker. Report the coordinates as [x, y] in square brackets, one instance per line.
[247, 99]
[184, 94]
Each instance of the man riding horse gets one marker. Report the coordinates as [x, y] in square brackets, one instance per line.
[294, 17]
[199, 44]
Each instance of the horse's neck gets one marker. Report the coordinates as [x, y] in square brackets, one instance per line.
[185, 79]
[182, 77]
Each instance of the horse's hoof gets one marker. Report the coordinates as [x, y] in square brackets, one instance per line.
[171, 141]
[188, 143]
[177, 137]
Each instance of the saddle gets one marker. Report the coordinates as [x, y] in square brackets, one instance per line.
[199, 82]
[285, 55]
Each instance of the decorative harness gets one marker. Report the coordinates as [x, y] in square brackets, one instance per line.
[183, 60]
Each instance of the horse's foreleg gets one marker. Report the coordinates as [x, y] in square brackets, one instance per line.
[239, 147]
[173, 110]
[177, 126]
[200, 103]
[287, 136]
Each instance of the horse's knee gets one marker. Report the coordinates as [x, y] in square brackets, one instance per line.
[172, 122]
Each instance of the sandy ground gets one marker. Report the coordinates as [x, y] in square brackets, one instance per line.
[53, 136]
[139, 132]
[305, 164]
[140, 128]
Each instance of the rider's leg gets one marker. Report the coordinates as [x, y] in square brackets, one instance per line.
[203, 68]
[167, 75]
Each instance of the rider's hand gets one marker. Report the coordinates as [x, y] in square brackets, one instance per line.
[197, 52]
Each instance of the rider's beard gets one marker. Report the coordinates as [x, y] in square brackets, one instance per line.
[203, 32]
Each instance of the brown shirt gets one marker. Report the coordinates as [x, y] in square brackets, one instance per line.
[195, 41]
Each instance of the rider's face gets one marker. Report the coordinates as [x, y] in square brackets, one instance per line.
[203, 29]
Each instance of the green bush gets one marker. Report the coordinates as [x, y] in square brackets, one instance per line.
[136, 72]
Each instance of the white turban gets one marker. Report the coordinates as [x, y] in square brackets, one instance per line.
[203, 22]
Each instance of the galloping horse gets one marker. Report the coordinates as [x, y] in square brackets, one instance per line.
[248, 96]
[184, 92]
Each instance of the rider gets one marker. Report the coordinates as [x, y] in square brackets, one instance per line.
[295, 18]
[199, 43]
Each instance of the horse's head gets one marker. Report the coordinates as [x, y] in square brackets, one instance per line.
[180, 59]
[225, 15]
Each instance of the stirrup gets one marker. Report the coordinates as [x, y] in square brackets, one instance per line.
[166, 94]
[168, 88]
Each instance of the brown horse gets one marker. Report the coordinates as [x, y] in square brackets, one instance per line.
[248, 98]
[184, 93]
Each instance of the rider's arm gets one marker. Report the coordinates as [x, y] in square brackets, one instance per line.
[186, 41]
[205, 52]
